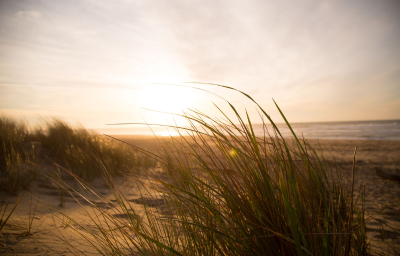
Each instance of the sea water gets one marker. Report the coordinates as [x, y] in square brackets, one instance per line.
[353, 130]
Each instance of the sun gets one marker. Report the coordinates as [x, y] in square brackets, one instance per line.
[165, 100]
[166, 97]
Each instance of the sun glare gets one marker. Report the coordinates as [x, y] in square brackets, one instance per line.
[166, 98]
[167, 133]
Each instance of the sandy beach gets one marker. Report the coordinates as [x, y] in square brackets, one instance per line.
[49, 236]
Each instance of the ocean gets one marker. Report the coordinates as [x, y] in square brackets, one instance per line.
[353, 130]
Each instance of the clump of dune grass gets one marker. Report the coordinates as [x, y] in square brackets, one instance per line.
[15, 171]
[83, 153]
[232, 193]
[86, 154]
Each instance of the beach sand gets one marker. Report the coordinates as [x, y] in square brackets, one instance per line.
[50, 237]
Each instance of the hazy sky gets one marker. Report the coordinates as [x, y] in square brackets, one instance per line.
[94, 61]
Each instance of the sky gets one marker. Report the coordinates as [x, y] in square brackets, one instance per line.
[99, 62]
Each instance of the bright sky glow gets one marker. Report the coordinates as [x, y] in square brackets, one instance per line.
[96, 62]
[167, 133]
[165, 99]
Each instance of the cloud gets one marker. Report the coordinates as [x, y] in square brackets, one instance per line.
[29, 15]
[280, 42]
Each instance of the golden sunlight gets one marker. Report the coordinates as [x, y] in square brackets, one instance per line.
[167, 133]
[166, 98]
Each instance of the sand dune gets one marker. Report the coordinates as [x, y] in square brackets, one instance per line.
[49, 236]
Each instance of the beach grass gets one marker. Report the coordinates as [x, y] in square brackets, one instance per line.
[15, 171]
[230, 192]
[85, 154]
